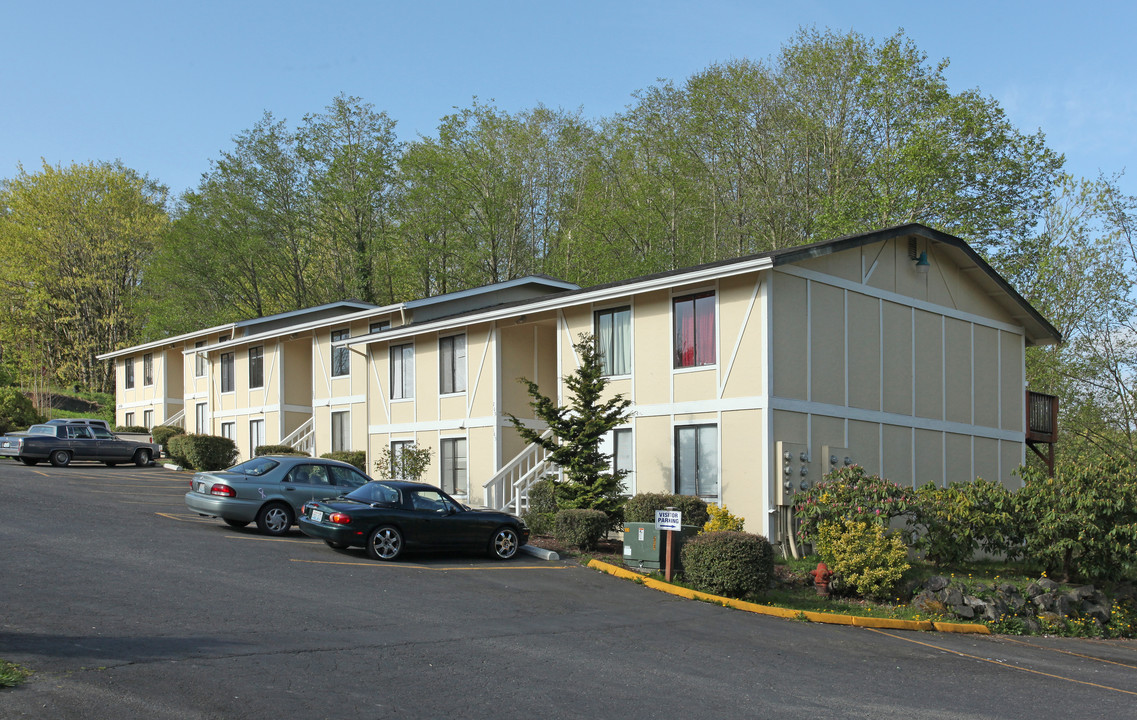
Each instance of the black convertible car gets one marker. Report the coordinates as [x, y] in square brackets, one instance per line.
[388, 517]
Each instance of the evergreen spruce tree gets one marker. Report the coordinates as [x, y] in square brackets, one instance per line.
[588, 482]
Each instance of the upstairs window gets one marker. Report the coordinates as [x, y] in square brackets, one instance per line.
[402, 372]
[614, 340]
[227, 372]
[340, 358]
[128, 377]
[452, 364]
[379, 326]
[694, 330]
[199, 360]
[148, 369]
[256, 367]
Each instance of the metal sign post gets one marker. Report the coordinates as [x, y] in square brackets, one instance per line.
[669, 520]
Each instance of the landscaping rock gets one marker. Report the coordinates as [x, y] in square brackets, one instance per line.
[936, 583]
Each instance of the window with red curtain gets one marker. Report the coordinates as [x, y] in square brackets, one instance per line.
[694, 330]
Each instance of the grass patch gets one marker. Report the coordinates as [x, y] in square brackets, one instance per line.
[12, 674]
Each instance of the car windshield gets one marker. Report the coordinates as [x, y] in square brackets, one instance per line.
[256, 466]
[42, 430]
[375, 492]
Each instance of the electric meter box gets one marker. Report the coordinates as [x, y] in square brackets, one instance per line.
[646, 547]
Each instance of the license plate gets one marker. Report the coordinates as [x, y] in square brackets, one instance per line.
[201, 487]
[317, 516]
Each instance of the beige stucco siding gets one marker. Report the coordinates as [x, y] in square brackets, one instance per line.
[920, 375]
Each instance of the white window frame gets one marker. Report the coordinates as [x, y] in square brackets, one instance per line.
[694, 296]
[128, 374]
[201, 418]
[200, 361]
[396, 450]
[402, 375]
[229, 430]
[677, 466]
[341, 431]
[256, 435]
[341, 352]
[260, 362]
[612, 443]
[147, 419]
[128, 419]
[232, 374]
[148, 370]
[458, 487]
[452, 365]
[606, 361]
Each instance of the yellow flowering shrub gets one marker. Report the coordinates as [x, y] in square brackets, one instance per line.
[866, 558]
[722, 519]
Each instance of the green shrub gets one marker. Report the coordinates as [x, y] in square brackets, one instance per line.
[865, 558]
[540, 523]
[541, 515]
[951, 523]
[729, 563]
[203, 452]
[276, 450]
[16, 411]
[163, 433]
[136, 429]
[850, 492]
[1081, 523]
[358, 458]
[641, 508]
[580, 527]
[722, 519]
[543, 496]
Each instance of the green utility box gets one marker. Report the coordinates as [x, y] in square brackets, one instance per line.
[646, 547]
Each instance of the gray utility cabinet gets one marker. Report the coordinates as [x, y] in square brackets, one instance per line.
[646, 547]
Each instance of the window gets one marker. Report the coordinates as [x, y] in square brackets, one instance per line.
[199, 360]
[128, 379]
[697, 461]
[199, 418]
[340, 364]
[227, 372]
[618, 444]
[129, 419]
[397, 448]
[379, 326]
[402, 371]
[341, 431]
[614, 340]
[256, 435]
[257, 366]
[229, 430]
[148, 419]
[694, 330]
[452, 364]
[454, 466]
[148, 369]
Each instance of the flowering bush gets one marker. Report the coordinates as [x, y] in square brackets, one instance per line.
[864, 557]
[722, 519]
[951, 522]
[850, 493]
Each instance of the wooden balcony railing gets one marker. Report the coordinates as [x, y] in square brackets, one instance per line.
[1042, 425]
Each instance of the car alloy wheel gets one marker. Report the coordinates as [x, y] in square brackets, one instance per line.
[60, 458]
[142, 458]
[385, 543]
[505, 543]
[274, 519]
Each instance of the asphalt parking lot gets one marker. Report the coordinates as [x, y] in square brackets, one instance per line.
[127, 605]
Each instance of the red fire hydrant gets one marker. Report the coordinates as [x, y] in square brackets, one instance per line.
[821, 578]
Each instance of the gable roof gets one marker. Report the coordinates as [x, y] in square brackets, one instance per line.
[1039, 331]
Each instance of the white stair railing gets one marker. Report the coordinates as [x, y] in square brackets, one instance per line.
[303, 438]
[178, 419]
[508, 490]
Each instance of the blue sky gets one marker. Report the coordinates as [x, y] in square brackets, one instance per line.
[166, 86]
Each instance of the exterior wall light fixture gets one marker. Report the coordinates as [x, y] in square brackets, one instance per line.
[922, 263]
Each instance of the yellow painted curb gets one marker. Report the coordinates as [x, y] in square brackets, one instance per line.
[817, 617]
[962, 628]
